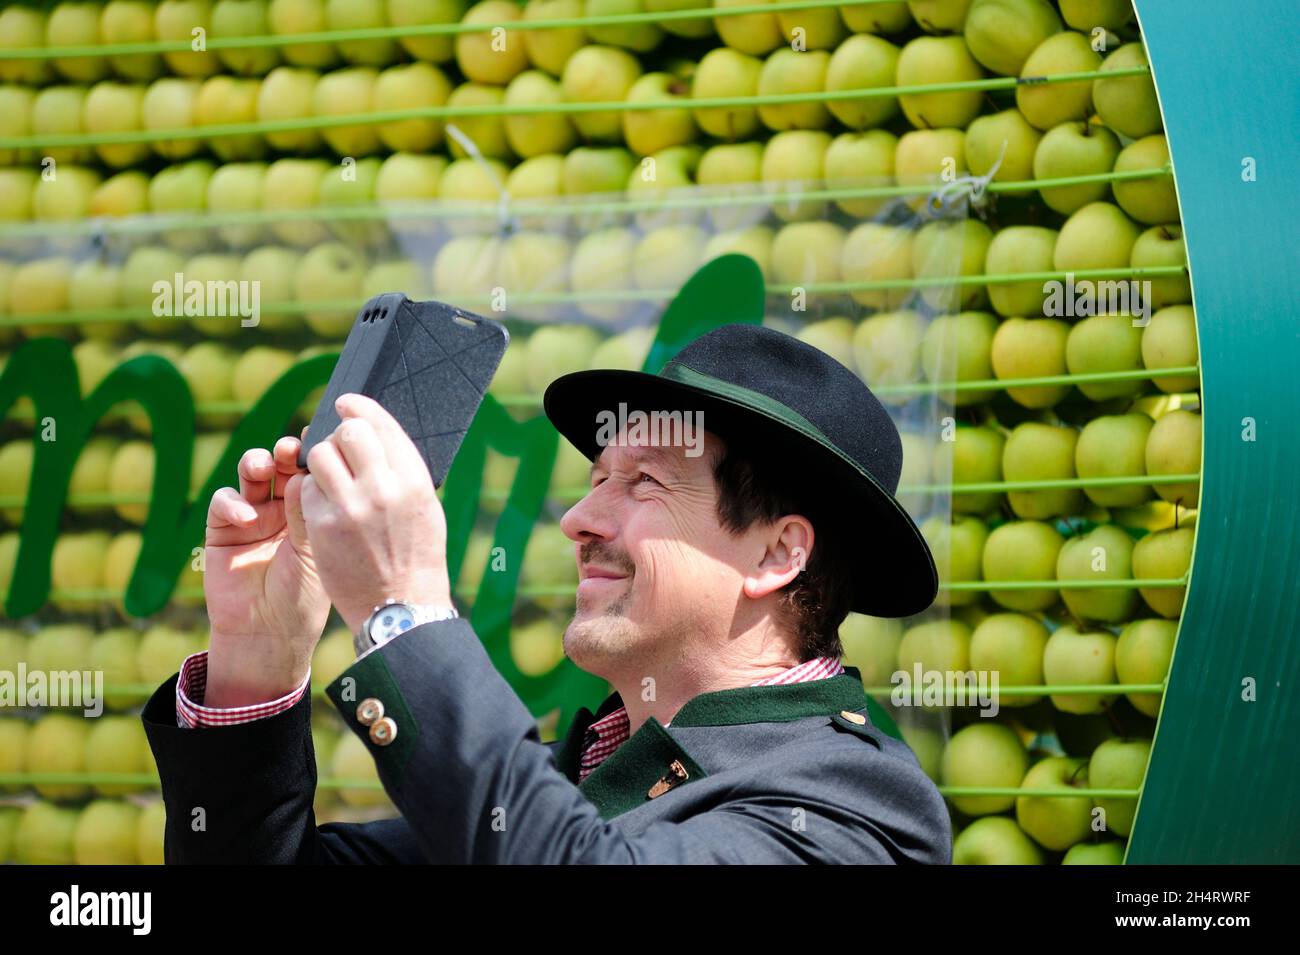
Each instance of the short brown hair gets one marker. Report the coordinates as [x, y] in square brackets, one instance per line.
[817, 601]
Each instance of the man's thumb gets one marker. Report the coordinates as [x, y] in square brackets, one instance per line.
[293, 514]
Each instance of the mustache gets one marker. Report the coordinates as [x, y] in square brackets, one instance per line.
[600, 552]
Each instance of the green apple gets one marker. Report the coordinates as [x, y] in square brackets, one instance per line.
[365, 15]
[15, 119]
[666, 257]
[239, 18]
[176, 20]
[1119, 764]
[1143, 653]
[228, 100]
[412, 86]
[984, 754]
[937, 645]
[287, 93]
[487, 133]
[210, 270]
[688, 28]
[1041, 452]
[90, 474]
[550, 49]
[473, 186]
[1074, 657]
[754, 241]
[330, 271]
[935, 59]
[786, 71]
[731, 169]
[834, 336]
[537, 647]
[65, 197]
[130, 21]
[289, 17]
[649, 131]
[1010, 645]
[77, 563]
[1004, 139]
[182, 188]
[13, 742]
[1087, 15]
[555, 350]
[163, 650]
[957, 548]
[40, 287]
[549, 561]
[724, 72]
[871, 645]
[957, 348]
[876, 17]
[1114, 446]
[639, 37]
[1169, 341]
[149, 832]
[345, 92]
[534, 134]
[494, 57]
[995, 840]
[145, 265]
[57, 111]
[1127, 104]
[867, 62]
[752, 33]
[405, 178]
[125, 194]
[602, 262]
[57, 744]
[208, 367]
[71, 23]
[1174, 447]
[1106, 553]
[944, 245]
[813, 29]
[1150, 201]
[590, 170]
[466, 267]
[291, 185]
[1074, 149]
[599, 74]
[794, 160]
[1047, 105]
[860, 161]
[440, 48]
[272, 267]
[537, 178]
[534, 263]
[1162, 245]
[353, 184]
[333, 654]
[876, 252]
[114, 652]
[60, 647]
[976, 458]
[106, 833]
[46, 835]
[234, 188]
[887, 351]
[939, 16]
[1105, 343]
[17, 186]
[1022, 550]
[1056, 822]
[808, 253]
[1098, 853]
[257, 369]
[931, 158]
[117, 744]
[113, 107]
[1002, 34]
[1098, 236]
[169, 104]
[1164, 554]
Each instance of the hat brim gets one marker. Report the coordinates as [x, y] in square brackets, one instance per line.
[894, 574]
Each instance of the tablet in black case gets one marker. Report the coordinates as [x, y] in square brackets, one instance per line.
[427, 363]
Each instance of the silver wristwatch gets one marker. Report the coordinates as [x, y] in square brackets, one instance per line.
[394, 618]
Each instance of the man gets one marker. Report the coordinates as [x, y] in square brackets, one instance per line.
[712, 586]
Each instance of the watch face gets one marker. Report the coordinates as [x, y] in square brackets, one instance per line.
[390, 621]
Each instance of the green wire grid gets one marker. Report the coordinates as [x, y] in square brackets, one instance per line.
[146, 136]
[423, 30]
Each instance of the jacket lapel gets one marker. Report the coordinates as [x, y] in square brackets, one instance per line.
[651, 762]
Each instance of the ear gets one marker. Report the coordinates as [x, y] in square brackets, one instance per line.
[788, 545]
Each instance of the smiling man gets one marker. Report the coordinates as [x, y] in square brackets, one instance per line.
[712, 586]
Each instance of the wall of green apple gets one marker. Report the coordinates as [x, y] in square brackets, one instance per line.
[920, 391]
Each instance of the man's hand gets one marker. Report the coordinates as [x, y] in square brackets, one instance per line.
[266, 604]
[376, 527]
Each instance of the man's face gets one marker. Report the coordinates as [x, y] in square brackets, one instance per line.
[658, 574]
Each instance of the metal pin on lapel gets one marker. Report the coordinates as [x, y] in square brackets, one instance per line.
[676, 774]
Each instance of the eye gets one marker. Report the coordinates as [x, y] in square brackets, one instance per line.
[643, 477]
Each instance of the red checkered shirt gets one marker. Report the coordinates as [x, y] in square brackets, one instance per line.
[193, 683]
[610, 732]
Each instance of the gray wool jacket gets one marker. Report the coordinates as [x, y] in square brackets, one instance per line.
[767, 774]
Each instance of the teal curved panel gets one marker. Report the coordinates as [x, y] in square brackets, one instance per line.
[1224, 780]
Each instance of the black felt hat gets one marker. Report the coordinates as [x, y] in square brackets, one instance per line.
[781, 400]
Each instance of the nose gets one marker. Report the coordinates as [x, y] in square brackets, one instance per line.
[593, 518]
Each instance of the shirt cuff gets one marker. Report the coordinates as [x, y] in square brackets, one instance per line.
[193, 683]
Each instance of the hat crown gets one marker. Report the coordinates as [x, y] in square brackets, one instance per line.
[809, 383]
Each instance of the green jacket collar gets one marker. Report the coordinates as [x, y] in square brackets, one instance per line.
[624, 780]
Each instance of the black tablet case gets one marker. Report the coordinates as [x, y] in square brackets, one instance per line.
[429, 364]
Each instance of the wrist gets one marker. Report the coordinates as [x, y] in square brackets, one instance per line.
[427, 594]
[243, 672]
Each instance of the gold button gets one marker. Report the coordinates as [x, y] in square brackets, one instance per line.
[370, 711]
[383, 732]
[854, 717]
